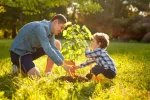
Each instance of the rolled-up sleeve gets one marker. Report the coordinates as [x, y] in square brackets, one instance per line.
[42, 36]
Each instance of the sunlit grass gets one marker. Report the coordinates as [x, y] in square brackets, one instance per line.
[131, 83]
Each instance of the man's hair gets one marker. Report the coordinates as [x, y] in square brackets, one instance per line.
[61, 18]
[103, 38]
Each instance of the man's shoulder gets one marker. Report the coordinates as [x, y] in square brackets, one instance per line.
[39, 23]
[45, 24]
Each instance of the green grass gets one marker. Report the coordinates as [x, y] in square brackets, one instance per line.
[131, 83]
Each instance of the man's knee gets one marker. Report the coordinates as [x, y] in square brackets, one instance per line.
[58, 44]
[34, 71]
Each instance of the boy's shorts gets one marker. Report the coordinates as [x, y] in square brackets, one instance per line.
[107, 73]
[26, 60]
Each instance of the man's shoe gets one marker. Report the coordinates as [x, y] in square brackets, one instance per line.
[48, 74]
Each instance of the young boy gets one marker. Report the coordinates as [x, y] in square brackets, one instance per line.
[98, 55]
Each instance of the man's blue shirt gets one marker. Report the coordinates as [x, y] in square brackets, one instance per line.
[36, 35]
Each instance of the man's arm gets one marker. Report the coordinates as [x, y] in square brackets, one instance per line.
[42, 36]
[53, 44]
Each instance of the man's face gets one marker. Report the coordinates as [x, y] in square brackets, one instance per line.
[58, 28]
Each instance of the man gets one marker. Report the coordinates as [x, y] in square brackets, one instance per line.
[34, 40]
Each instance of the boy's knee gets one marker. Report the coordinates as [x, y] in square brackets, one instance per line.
[95, 71]
[58, 44]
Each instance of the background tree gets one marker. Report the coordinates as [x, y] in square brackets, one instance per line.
[120, 18]
[19, 9]
[23, 11]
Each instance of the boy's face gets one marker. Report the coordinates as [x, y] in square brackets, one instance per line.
[95, 44]
[58, 28]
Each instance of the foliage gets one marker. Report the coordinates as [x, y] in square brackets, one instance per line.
[127, 16]
[131, 83]
[2, 96]
[76, 43]
[19, 12]
[133, 25]
[88, 7]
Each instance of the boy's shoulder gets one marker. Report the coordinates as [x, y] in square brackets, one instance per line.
[100, 49]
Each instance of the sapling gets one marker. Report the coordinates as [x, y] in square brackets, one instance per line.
[75, 43]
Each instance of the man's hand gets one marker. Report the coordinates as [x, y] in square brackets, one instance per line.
[70, 67]
[74, 68]
[67, 68]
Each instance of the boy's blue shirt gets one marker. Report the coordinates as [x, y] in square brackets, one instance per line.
[36, 35]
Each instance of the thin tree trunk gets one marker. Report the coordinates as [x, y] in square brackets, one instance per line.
[14, 29]
[21, 23]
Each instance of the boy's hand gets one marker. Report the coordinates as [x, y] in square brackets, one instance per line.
[88, 49]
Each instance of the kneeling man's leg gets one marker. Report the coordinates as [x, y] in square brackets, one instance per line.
[34, 71]
[28, 67]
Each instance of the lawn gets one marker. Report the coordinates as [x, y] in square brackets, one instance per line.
[131, 83]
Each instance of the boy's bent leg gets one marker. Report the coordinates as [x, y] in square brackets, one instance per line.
[50, 63]
[97, 70]
[107, 73]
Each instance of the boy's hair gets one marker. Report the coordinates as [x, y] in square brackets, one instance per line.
[103, 38]
[61, 18]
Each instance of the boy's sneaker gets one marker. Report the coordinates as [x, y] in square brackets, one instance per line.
[89, 76]
[14, 69]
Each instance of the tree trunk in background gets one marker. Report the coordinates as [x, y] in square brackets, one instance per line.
[14, 28]
[6, 34]
[21, 23]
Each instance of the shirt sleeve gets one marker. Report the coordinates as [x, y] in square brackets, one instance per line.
[89, 61]
[43, 38]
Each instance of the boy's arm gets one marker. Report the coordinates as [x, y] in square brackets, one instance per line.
[88, 62]
[82, 65]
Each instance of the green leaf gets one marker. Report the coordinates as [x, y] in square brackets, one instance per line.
[77, 26]
[76, 43]
[64, 33]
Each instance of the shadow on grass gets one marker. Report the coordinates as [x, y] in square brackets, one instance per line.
[7, 85]
[85, 91]
[73, 79]
[83, 88]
